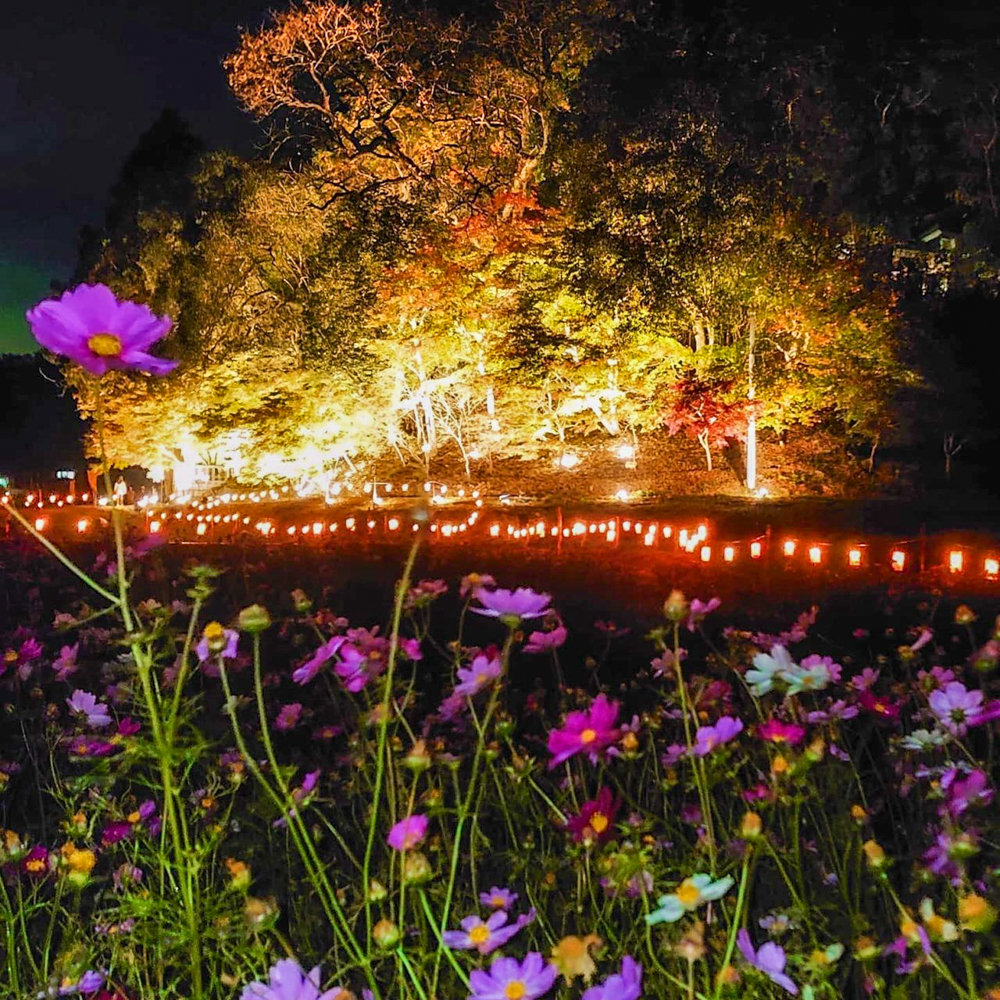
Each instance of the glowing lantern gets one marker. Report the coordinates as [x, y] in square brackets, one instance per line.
[728, 553]
[755, 550]
[667, 531]
[854, 557]
[393, 523]
[154, 527]
[898, 560]
[317, 527]
[702, 532]
[991, 566]
[81, 525]
[955, 561]
[682, 538]
[622, 496]
[40, 523]
[201, 528]
[626, 525]
[494, 530]
[706, 553]
[815, 555]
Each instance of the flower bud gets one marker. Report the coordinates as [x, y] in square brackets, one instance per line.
[816, 749]
[859, 814]
[377, 891]
[976, 914]
[254, 619]
[386, 934]
[629, 743]
[963, 847]
[779, 765]
[418, 759]
[416, 867]
[751, 826]
[964, 615]
[239, 874]
[875, 854]
[301, 601]
[675, 607]
[866, 948]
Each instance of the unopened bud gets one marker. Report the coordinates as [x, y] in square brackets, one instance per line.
[254, 619]
[386, 934]
[675, 607]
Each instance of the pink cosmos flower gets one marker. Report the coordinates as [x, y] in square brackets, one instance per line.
[513, 605]
[93, 328]
[880, 705]
[304, 673]
[65, 663]
[288, 717]
[956, 707]
[709, 737]
[408, 833]
[769, 959]
[588, 732]
[543, 642]
[480, 673]
[864, 681]
[776, 731]
[699, 610]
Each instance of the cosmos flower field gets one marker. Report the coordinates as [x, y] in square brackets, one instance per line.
[205, 797]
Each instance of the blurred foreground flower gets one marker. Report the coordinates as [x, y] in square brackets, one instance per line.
[288, 981]
[93, 328]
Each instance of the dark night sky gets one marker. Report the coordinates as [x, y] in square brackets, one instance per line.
[79, 83]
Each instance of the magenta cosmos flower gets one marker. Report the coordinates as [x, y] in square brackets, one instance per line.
[624, 985]
[769, 959]
[407, 833]
[594, 824]
[93, 328]
[585, 732]
[288, 981]
[511, 605]
[509, 979]
[308, 670]
[776, 731]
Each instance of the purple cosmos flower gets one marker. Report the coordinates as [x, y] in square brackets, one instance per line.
[585, 732]
[94, 712]
[965, 792]
[65, 663]
[89, 982]
[288, 716]
[498, 898]
[512, 605]
[543, 642]
[228, 652]
[480, 673]
[93, 328]
[407, 833]
[624, 985]
[425, 592]
[769, 959]
[865, 680]
[308, 670]
[956, 707]
[83, 746]
[509, 979]
[288, 981]
[709, 737]
[486, 935]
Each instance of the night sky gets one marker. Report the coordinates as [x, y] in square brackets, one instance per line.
[79, 83]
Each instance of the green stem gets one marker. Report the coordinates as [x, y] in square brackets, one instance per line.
[734, 927]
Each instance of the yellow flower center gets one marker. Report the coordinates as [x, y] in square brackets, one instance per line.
[213, 630]
[688, 894]
[515, 990]
[35, 865]
[134, 817]
[497, 902]
[105, 345]
[479, 934]
[588, 736]
[971, 907]
[599, 822]
[10, 656]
